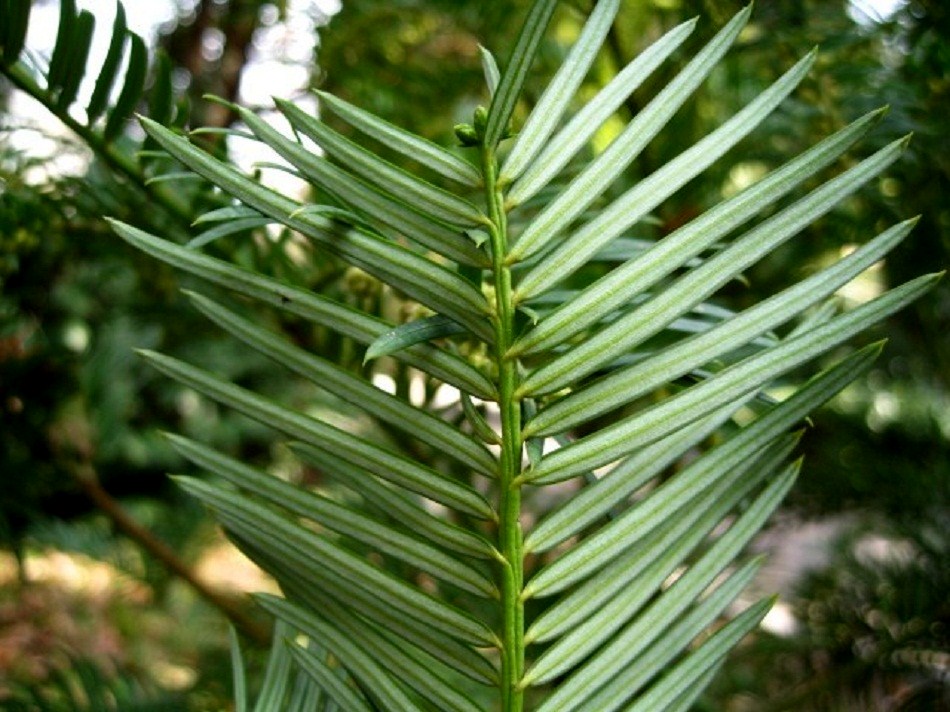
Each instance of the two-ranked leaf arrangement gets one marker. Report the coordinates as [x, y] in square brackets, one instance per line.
[543, 542]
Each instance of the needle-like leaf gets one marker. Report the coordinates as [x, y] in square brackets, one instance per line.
[436, 201]
[509, 86]
[388, 465]
[307, 549]
[742, 378]
[433, 285]
[110, 67]
[635, 638]
[638, 201]
[346, 697]
[582, 126]
[360, 327]
[418, 331]
[135, 71]
[692, 288]
[350, 388]
[336, 517]
[360, 664]
[678, 248]
[692, 352]
[429, 154]
[397, 504]
[599, 174]
[557, 95]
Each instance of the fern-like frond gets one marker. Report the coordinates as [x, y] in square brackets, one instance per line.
[435, 565]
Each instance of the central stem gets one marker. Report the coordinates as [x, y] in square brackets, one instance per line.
[509, 505]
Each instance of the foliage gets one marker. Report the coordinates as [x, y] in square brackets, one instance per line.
[483, 282]
[564, 350]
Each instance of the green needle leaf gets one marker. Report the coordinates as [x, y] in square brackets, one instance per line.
[78, 55]
[131, 89]
[336, 517]
[406, 187]
[557, 96]
[740, 379]
[358, 662]
[582, 126]
[346, 696]
[13, 35]
[386, 464]
[110, 66]
[414, 332]
[352, 389]
[313, 307]
[608, 166]
[431, 284]
[305, 549]
[509, 87]
[692, 352]
[489, 69]
[680, 247]
[429, 154]
[692, 288]
[638, 201]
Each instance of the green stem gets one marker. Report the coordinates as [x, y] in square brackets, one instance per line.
[509, 505]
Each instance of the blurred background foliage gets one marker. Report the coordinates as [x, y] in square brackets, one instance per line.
[866, 604]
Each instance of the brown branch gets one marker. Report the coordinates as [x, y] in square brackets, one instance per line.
[86, 477]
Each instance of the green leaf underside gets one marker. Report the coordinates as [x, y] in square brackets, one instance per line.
[693, 351]
[436, 201]
[737, 380]
[693, 287]
[656, 620]
[361, 327]
[600, 173]
[411, 333]
[339, 518]
[384, 463]
[429, 283]
[678, 636]
[308, 550]
[310, 584]
[554, 102]
[368, 198]
[403, 509]
[733, 382]
[409, 665]
[597, 499]
[708, 655]
[346, 696]
[422, 150]
[638, 201]
[608, 598]
[358, 662]
[352, 389]
[675, 250]
[582, 126]
[506, 94]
